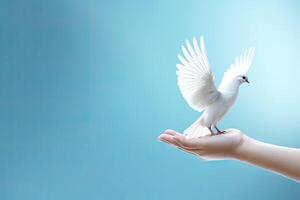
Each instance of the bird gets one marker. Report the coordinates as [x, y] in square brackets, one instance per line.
[196, 83]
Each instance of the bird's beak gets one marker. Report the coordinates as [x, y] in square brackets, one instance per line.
[247, 80]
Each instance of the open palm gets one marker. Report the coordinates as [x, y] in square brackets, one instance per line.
[208, 147]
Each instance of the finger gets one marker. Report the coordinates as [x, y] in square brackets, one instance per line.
[193, 143]
[167, 142]
[170, 132]
[171, 144]
[189, 148]
[166, 137]
[181, 148]
[170, 140]
[176, 145]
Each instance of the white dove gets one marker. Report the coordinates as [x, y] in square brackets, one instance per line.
[196, 83]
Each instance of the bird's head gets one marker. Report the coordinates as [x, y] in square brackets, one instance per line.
[242, 79]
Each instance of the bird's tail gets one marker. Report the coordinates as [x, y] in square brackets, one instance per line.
[196, 129]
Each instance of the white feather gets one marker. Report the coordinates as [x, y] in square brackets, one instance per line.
[241, 67]
[195, 79]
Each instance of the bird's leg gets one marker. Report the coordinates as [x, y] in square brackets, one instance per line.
[211, 131]
[219, 131]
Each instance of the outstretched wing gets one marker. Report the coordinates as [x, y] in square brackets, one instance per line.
[240, 67]
[195, 78]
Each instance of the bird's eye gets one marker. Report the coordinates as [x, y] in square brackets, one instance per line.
[243, 77]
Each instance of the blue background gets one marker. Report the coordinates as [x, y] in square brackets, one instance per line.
[87, 86]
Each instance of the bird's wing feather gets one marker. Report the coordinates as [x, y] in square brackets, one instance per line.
[239, 67]
[195, 78]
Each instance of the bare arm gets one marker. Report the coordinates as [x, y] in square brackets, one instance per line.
[235, 145]
[282, 160]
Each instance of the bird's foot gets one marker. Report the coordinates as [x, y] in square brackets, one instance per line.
[220, 132]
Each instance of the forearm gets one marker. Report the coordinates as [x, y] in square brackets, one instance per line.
[282, 160]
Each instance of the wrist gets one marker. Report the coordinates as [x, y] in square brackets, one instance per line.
[239, 153]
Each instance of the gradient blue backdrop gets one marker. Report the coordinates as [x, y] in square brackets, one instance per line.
[87, 86]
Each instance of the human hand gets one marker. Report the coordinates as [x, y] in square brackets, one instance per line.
[217, 147]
